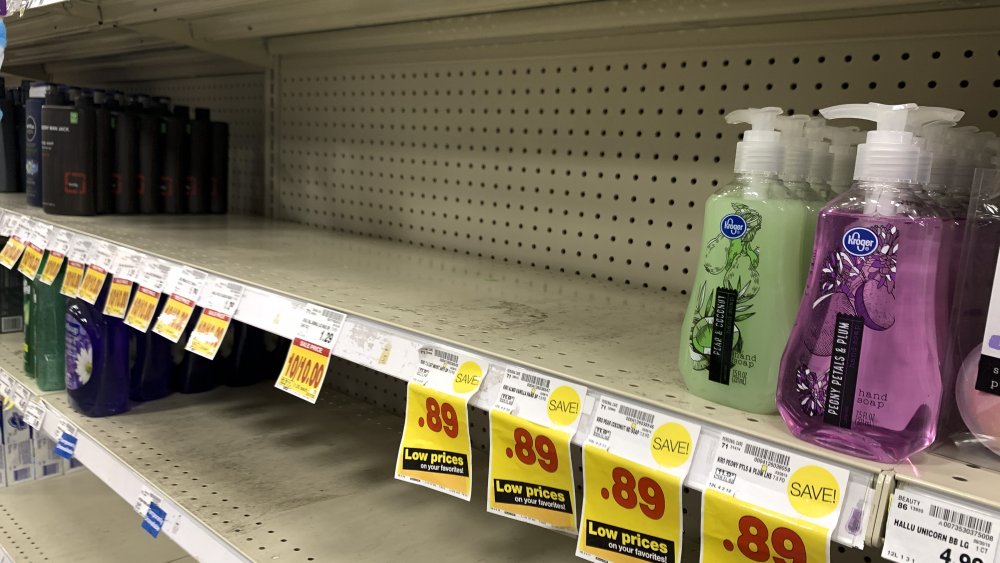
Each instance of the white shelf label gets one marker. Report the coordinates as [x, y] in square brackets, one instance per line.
[153, 274]
[34, 414]
[222, 296]
[187, 283]
[9, 223]
[80, 250]
[527, 394]
[60, 241]
[127, 264]
[920, 528]
[103, 255]
[40, 235]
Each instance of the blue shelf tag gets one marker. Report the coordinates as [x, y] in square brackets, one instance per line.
[155, 517]
[66, 446]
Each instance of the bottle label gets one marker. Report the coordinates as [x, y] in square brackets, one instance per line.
[725, 300]
[847, 333]
[79, 354]
[720, 361]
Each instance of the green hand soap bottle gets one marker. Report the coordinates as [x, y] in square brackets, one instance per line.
[749, 278]
[49, 324]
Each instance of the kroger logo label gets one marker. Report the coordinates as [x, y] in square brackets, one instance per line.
[733, 226]
[860, 241]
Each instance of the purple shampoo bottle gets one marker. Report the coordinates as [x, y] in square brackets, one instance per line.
[861, 373]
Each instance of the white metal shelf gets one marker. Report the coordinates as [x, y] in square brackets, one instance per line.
[280, 479]
[75, 517]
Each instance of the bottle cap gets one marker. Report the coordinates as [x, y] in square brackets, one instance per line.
[963, 142]
[888, 153]
[915, 121]
[760, 151]
[797, 153]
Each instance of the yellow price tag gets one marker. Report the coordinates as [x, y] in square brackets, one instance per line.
[737, 531]
[174, 318]
[117, 301]
[436, 449]
[72, 279]
[209, 330]
[304, 370]
[11, 252]
[140, 313]
[30, 261]
[531, 474]
[93, 283]
[631, 512]
[52, 267]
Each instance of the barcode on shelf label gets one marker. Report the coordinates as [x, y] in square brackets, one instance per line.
[768, 456]
[80, 250]
[638, 415]
[34, 414]
[769, 477]
[321, 326]
[40, 235]
[655, 439]
[153, 273]
[60, 241]
[9, 222]
[535, 380]
[127, 264]
[920, 527]
[961, 519]
[222, 296]
[188, 283]
[446, 356]
[103, 255]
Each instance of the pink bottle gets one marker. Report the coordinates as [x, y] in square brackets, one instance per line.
[861, 373]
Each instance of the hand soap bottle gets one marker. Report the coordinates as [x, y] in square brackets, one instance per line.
[97, 359]
[749, 277]
[820, 159]
[49, 326]
[860, 373]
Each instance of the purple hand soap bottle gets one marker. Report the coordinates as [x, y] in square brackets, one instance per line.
[861, 372]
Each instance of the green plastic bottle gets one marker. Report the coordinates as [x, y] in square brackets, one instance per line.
[49, 325]
[749, 278]
[29, 328]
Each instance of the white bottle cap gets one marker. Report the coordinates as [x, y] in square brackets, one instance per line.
[820, 157]
[888, 153]
[797, 153]
[760, 151]
[935, 134]
[843, 151]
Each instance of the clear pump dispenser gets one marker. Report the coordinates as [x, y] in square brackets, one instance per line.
[749, 276]
[860, 373]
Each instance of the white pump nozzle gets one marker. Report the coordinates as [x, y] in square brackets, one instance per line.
[994, 146]
[760, 151]
[797, 151]
[985, 151]
[820, 159]
[888, 154]
[915, 122]
[842, 140]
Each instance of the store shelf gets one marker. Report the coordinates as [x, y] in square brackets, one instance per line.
[618, 341]
[280, 479]
[75, 517]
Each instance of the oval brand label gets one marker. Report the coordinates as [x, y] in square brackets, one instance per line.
[564, 405]
[860, 241]
[671, 445]
[813, 491]
[733, 226]
[30, 128]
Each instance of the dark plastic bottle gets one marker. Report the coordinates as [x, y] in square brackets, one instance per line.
[195, 374]
[259, 356]
[68, 157]
[198, 184]
[175, 161]
[126, 164]
[8, 142]
[21, 97]
[219, 196]
[97, 359]
[104, 196]
[152, 364]
[150, 158]
[29, 328]
[37, 94]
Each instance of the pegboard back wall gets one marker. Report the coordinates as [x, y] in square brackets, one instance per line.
[239, 101]
[597, 164]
